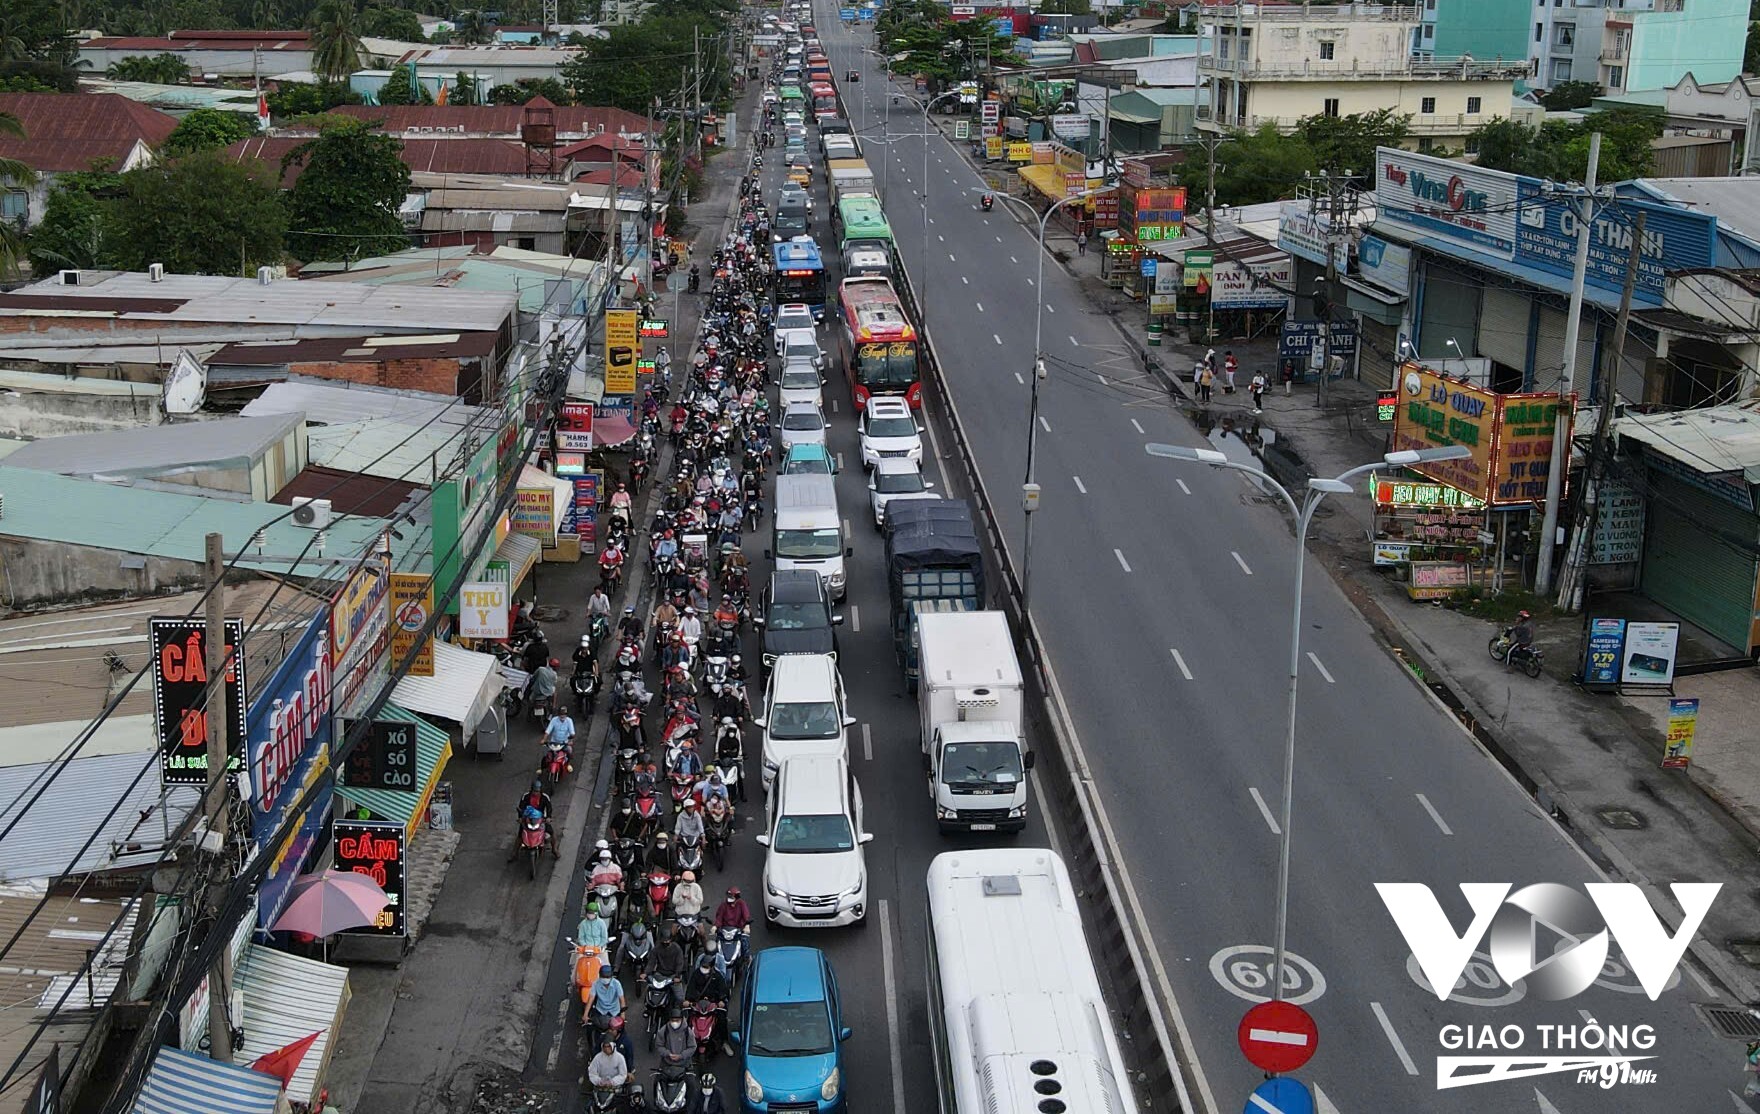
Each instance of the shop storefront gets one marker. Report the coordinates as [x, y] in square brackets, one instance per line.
[289, 1000]
[460, 697]
[371, 797]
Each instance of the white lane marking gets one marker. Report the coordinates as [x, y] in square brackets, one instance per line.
[1405, 1058]
[999, 239]
[965, 280]
[846, 529]
[1242, 562]
[995, 338]
[867, 744]
[1588, 1018]
[940, 237]
[1049, 308]
[886, 950]
[1313, 658]
[1043, 424]
[1434, 815]
[1030, 282]
[1018, 379]
[855, 618]
[840, 462]
[834, 406]
[1080, 486]
[1012, 259]
[980, 306]
[1102, 379]
[1265, 811]
[1182, 486]
[950, 258]
[1138, 426]
[1124, 564]
[1075, 342]
[1181, 662]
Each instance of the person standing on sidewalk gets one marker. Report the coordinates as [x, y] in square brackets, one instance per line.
[1229, 365]
[1082, 242]
[1258, 388]
[1206, 379]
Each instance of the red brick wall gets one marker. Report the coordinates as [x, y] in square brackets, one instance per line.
[438, 376]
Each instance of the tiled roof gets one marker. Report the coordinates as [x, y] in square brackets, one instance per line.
[502, 120]
[477, 155]
[67, 131]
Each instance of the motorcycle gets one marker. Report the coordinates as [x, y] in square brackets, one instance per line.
[689, 934]
[1503, 648]
[531, 841]
[672, 1088]
[659, 893]
[714, 670]
[690, 855]
[597, 632]
[606, 1100]
[733, 950]
[588, 958]
[705, 1025]
[988, 202]
[629, 654]
[584, 683]
[556, 763]
[717, 832]
[648, 807]
[656, 1000]
[623, 774]
[629, 727]
[610, 899]
[678, 786]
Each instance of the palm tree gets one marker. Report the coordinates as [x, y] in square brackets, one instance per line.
[14, 173]
[336, 39]
[471, 28]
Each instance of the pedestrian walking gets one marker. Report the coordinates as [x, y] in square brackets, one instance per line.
[1197, 374]
[1229, 365]
[1082, 242]
[1206, 379]
[1289, 376]
[1258, 388]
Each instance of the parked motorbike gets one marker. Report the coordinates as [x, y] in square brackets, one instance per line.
[1503, 648]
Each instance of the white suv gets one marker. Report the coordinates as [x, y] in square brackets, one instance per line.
[804, 711]
[889, 431]
[815, 873]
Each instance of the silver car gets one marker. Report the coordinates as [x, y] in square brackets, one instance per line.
[795, 318]
[896, 478]
[802, 424]
[802, 385]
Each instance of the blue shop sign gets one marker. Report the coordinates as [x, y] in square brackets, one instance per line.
[288, 728]
[1674, 239]
[1300, 337]
[1602, 660]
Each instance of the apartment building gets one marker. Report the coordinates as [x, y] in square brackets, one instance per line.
[1630, 46]
[1489, 30]
[1277, 63]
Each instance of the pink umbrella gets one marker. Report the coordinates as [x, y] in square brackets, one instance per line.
[329, 902]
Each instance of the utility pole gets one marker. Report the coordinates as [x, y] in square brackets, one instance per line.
[1210, 146]
[1576, 563]
[214, 642]
[1324, 301]
[1561, 448]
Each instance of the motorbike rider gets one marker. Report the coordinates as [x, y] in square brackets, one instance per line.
[609, 1069]
[583, 655]
[610, 563]
[665, 615]
[536, 651]
[734, 913]
[626, 824]
[593, 931]
[688, 828]
[668, 961]
[687, 896]
[606, 998]
[713, 953]
[1521, 636]
[560, 731]
[542, 687]
[705, 982]
[710, 788]
[535, 798]
[676, 1045]
[708, 1100]
[598, 604]
[690, 626]
[635, 938]
[659, 856]
[620, 500]
[696, 278]
[688, 760]
[604, 871]
[630, 690]
[629, 626]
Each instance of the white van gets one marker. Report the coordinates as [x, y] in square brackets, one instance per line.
[806, 531]
[815, 873]
[804, 711]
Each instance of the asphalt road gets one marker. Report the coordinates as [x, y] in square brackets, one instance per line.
[880, 965]
[1163, 592]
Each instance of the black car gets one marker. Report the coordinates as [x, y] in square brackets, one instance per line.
[796, 616]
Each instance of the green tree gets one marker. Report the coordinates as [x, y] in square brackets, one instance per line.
[1066, 7]
[336, 39]
[1254, 167]
[295, 100]
[526, 88]
[158, 69]
[1568, 95]
[73, 234]
[345, 203]
[1559, 149]
[392, 23]
[399, 89]
[12, 173]
[204, 215]
[206, 129]
[1342, 143]
[35, 41]
[470, 28]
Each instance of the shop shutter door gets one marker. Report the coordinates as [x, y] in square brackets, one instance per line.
[1503, 327]
[1707, 581]
[1450, 309]
[1549, 352]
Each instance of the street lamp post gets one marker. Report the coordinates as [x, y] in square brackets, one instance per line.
[1029, 492]
[923, 302]
[1318, 489]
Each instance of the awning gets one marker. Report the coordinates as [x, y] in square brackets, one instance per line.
[1373, 291]
[1135, 108]
[520, 553]
[433, 750]
[179, 1082]
[287, 999]
[1047, 178]
[462, 689]
[1712, 440]
[562, 488]
[612, 430]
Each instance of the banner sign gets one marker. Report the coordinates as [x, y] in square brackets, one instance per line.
[482, 609]
[357, 612]
[1070, 126]
[534, 513]
[1619, 525]
[1198, 265]
[412, 602]
[1607, 637]
[1020, 151]
[385, 759]
[1649, 653]
[574, 427]
[1265, 286]
[623, 344]
[1448, 201]
[1510, 436]
[1683, 724]
[1385, 263]
[653, 327]
[586, 506]
[375, 848]
[1305, 233]
[993, 146]
[180, 704]
[290, 728]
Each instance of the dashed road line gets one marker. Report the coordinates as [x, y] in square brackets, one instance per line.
[995, 338]
[1124, 564]
[1313, 657]
[1018, 379]
[950, 258]
[1434, 815]
[1012, 259]
[1043, 424]
[1182, 486]
[1080, 486]
[840, 462]
[855, 618]
[980, 306]
[965, 280]
[1242, 562]
[867, 744]
[886, 949]
[1049, 308]
[1265, 811]
[940, 237]
[1181, 662]
[1075, 342]
[1138, 426]
[1102, 379]
[1405, 1058]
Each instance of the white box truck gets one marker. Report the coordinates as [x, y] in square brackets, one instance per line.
[969, 698]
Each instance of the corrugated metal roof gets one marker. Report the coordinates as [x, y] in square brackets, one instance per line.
[500, 120]
[349, 493]
[387, 448]
[59, 127]
[458, 155]
[459, 220]
[332, 403]
[356, 349]
[147, 449]
[1713, 439]
[48, 839]
[179, 1082]
[433, 749]
[287, 998]
[155, 523]
[463, 686]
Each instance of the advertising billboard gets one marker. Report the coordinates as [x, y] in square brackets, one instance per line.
[180, 702]
[289, 730]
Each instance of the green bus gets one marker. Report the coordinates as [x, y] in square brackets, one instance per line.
[792, 97]
[860, 219]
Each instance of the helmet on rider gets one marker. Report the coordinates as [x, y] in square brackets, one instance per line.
[1523, 615]
[733, 893]
[690, 876]
[690, 804]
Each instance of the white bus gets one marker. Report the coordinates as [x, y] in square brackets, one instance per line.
[1014, 1004]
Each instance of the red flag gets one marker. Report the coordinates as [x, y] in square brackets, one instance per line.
[284, 1062]
[262, 111]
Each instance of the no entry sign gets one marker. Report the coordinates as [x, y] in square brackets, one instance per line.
[1278, 1036]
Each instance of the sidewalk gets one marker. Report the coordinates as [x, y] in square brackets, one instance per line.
[1592, 760]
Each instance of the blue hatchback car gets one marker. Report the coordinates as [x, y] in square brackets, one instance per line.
[805, 459]
[790, 1032]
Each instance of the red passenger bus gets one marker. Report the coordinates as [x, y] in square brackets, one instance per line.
[877, 344]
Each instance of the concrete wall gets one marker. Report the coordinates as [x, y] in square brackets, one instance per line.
[36, 574]
[1486, 29]
[1707, 38]
[33, 416]
[1286, 102]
